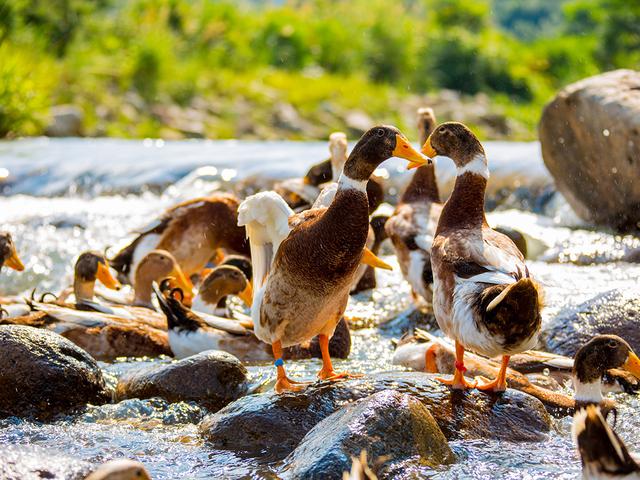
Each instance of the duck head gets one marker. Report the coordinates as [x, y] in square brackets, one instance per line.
[426, 123]
[594, 359]
[223, 281]
[456, 141]
[374, 147]
[241, 262]
[8, 253]
[154, 267]
[89, 267]
[338, 150]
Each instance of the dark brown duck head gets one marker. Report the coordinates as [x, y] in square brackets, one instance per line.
[456, 141]
[374, 147]
[601, 354]
[91, 266]
[154, 267]
[8, 253]
[223, 281]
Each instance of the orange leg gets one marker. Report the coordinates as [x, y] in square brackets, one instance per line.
[430, 365]
[283, 383]
[500, 383]
[458, 382]
[327, 372]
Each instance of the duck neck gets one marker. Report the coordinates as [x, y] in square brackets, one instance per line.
[142, 297]
[83, 289]
[587, 392]
[423, 186]
[465, 207]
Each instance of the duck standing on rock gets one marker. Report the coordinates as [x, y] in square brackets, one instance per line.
[8, 253]
[304, 264]
[412, 226]
[484, 297]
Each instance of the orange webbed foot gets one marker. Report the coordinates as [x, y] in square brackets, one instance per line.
[494, 386]
[457, 382]
[333, 375]
[285, 384]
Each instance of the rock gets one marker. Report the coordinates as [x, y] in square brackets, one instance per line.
[212, 378]
[590, 137]
[388, 425]
[120, 469]
[286, 117]
[615, 312]
[66, 121]
[42, 373]
[275, 424]
[34, 463]
[357, 123]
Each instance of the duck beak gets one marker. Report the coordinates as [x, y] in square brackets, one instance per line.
[632, 365]
[247, 295]
[219, 256]
[179, 280]
[369, 258]
[105, 277]
[14, 260]
[428, 150]
[405, 150]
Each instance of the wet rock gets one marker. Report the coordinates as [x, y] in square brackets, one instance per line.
[66, 121]
[121, 469]
[273, 425]
[615, 312]
[286, 117]
[590, 138]
[42, 373]
[388, 425]
[34, 463]
[211, 378]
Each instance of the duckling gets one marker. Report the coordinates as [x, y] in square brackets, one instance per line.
[191, 231]
[218, 284]
[412, 226]
[304, 264]
[603, 454]
[8, 253]
[191, 333]
[484, 296]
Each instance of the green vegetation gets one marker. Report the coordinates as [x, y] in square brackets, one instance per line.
[298, 69]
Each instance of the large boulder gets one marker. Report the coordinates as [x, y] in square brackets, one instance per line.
[390, 426]
[614, 312]
[590, 137]
[42, 373]
[275, 424]
[212, 378]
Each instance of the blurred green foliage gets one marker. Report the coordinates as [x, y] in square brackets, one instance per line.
[123, 61]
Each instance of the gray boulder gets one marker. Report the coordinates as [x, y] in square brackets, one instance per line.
[274, 425]
[590, 137]
[390, 426]
[212, 378]
[66, 121]
[42, 373]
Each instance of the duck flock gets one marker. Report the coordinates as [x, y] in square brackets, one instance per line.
[294, 256]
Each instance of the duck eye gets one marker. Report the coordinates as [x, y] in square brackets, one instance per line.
[380, 132]
[612, 344]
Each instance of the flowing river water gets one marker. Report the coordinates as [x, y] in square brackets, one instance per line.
[60, 197]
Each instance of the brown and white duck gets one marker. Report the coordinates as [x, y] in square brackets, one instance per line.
[191, 231]
[412, 226]
[484, 297]
[366, 275]
[602, 452]
[8, 253]
[304, 264]
[221, 282]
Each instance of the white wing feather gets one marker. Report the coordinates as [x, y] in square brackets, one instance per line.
[325, 199]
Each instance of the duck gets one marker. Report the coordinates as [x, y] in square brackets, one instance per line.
[8, 254]
[366, 276]
[222, 281]
[192, 332]
[412, 226]
[304, 264]
[484, 297]
[602, 452]
[242, 263]
[191, 231]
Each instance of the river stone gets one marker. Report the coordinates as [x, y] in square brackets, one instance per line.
[273, 425]
[388, 425]
[614, 312]
[42, 373]
[66, 121]
[212, 378]
[590, 138]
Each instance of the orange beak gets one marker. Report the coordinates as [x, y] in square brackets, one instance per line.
[178, 279]
[632, 365]
[369, 258]
[14, 260]
[247, 295]
[405, 150]
[105, 277]
[428, 150]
